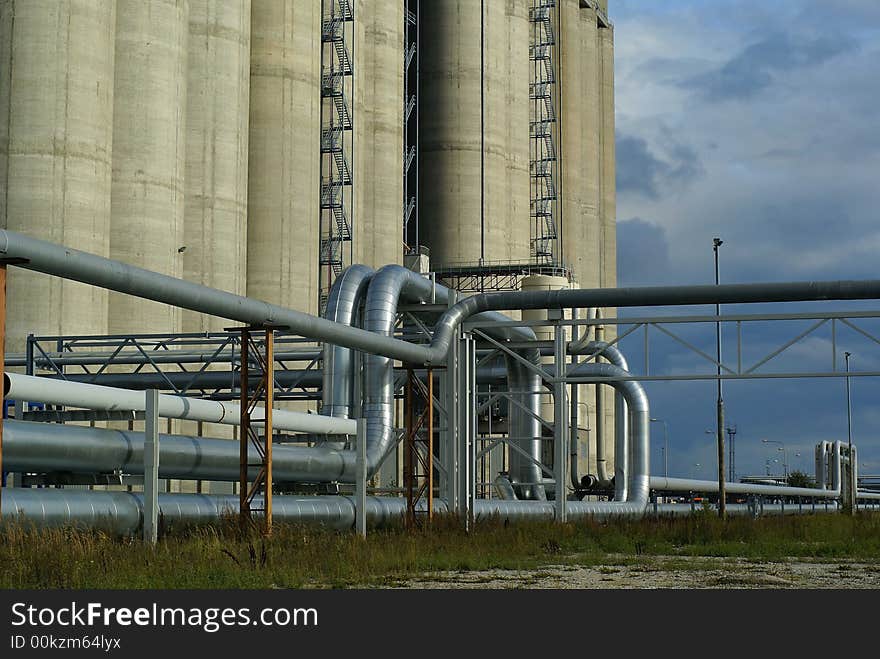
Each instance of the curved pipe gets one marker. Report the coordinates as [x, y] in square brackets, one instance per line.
[636, 477]
[387, 287]
[343, 303]
[613, 354]
[96, 397]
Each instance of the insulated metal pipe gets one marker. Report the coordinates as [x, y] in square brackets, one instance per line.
[621, 432]
[53, 259]
[96, 397]
[343, 304]
[48, 447]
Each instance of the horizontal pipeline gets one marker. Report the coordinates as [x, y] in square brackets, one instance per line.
[61, 261]
[122, 512]
[96, 397]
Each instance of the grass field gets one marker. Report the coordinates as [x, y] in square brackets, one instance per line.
[299, 557]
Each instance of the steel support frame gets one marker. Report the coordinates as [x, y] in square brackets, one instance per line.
[418, 456]
[249, 433]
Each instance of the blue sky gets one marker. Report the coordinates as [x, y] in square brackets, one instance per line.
[757, 123]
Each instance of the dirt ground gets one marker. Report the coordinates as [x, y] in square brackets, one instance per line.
[666, 572]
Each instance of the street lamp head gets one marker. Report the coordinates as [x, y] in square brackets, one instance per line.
[717, 242]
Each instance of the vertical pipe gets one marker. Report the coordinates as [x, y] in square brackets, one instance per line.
[151, 467]
[560, 430]
[360, 481]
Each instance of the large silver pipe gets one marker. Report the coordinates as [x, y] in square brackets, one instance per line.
[96, 397]
[49, 447]
[343, 304]
[49, 258]
[665, 484]
[387, 288]
[524, 385]
[52, 259]
[613, 354]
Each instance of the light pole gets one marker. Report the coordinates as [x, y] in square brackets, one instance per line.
[722, 490]
[784, 454]
[665, 447]
[731, 436]
[852, 488]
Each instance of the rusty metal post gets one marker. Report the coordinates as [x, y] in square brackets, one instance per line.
[409, 447]
[2, 365]
[249, 434]
[429, 471]
[244, 434]
[269, 385]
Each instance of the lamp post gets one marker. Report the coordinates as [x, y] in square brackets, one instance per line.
[852, 488]
[784, 454]
[722, 490]
[665, 446]
[731, 436]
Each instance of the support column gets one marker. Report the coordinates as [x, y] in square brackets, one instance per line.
[249, 433]
[418, 452]
[466, 429]
[2, 366]
[560, 424]
[151, 467]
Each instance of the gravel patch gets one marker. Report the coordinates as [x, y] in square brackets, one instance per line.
[664, 572]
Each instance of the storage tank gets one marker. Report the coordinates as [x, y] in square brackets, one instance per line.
[475, 117]
[578, 219]
[56, 118]
[378, 125]
[283, 167]
[218, 80]
[149, 138]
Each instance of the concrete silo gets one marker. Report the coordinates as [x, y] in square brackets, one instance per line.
[56, 118]
[608, 185]
[284, 165]
[149, 139]
[218, 81]
[474, 129]
[378, 126]
[579, 127]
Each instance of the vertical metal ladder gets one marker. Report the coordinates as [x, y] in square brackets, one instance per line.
[337, 130]
[410, 126]
[542, 130]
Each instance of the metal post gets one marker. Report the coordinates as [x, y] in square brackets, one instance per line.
[248, 431]
[360, 482]
[244, 440]
[560, 424]
[151, 467]
[851, 484]
[467, 427]
[722, 490]
[2, 366]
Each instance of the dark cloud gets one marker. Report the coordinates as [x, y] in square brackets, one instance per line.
[640, 171]
[760, 65]
[642, 252]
